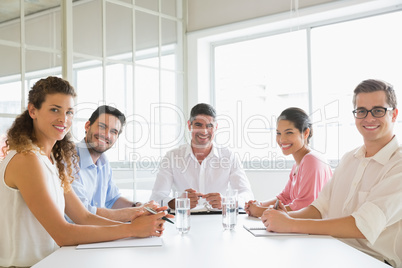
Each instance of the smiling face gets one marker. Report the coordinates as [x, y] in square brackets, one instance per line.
[289, 138]
[102, 134]
[375, 131]
[202, 131]
[53, 120]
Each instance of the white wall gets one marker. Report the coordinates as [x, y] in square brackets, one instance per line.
[204, 14]
[265, 184]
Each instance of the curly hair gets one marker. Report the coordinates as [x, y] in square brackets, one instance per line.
[21, 137]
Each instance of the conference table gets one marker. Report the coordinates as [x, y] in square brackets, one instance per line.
[207, 244]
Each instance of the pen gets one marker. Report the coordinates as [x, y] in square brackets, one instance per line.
[276, 204]
[154, 212]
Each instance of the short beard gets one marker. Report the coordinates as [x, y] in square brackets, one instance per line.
[93, 151]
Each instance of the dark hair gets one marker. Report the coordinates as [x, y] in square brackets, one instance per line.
[299, 118]
[105, 109]
[202, 108]
[372, 85]
[21, 137]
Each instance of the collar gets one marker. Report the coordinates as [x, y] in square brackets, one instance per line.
[189, 152]
[85, 156]
[383, 155]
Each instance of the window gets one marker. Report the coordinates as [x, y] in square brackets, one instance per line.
[127, 54]
[252, 84]
[315, 68]
[343, 55]
[25, 60]
[137, 69]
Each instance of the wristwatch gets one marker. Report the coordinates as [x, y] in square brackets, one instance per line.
[136, 204]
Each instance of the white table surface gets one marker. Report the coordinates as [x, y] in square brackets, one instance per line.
[208, 245]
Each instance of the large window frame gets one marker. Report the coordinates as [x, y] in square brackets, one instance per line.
[202, 45]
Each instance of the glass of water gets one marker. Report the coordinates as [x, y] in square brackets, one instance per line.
[229, 209]
[182, 212]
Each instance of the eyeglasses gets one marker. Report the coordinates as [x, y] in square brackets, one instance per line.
[375, 112]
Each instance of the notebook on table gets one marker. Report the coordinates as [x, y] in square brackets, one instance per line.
[204, 210]
[258, 229]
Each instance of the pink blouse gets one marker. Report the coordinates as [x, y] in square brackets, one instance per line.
[305, 182]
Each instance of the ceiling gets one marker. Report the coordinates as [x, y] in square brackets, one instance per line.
[10, 9]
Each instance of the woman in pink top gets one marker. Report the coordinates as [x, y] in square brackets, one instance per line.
[308, 175]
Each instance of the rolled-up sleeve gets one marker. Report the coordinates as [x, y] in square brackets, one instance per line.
[238, 180]
[163, 183]
[370, 220]
[382, 207]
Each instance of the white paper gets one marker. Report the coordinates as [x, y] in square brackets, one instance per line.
[260, 230]
[125, 243]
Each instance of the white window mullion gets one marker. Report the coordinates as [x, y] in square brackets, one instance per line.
[160, 70]
[104, 49]
[67, 36]
[134, 106]
[22, 55]
[309, 78]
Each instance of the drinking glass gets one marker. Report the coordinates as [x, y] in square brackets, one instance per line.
[182, 212]
[229, 209]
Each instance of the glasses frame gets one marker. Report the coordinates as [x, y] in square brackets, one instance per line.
[371, 111]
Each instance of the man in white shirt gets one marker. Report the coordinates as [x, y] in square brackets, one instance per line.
[362, 204]
[202, 169]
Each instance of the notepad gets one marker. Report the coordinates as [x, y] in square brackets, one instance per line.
[258, 229]
[202, 209]
[125, 243]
